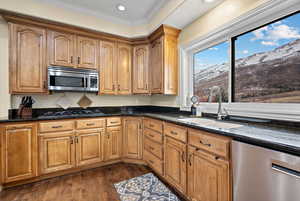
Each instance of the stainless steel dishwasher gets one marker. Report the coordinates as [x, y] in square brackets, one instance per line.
[261, 174]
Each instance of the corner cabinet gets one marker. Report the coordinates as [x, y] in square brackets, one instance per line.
[27, 59]
[164, 61]
[141, 69]
[19, 152]
[132, 138]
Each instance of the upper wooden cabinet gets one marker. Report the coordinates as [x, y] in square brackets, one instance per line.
[108, 69]
[19, 152]
[124, 69]
[140, 79]
[164, 61]
[27, 59]
[72, 51]
[87, 52]
[115, 68]
[132, 138]
[61, 49]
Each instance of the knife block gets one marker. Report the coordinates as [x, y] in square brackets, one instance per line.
[25, 112]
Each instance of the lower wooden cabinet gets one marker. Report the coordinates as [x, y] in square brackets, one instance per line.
[89, 146]
[175, 163]
[57, 152]
[112, 143]
[19, 152]
[132, 138]
[208, 177]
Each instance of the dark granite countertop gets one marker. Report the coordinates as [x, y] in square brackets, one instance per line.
[281, 139]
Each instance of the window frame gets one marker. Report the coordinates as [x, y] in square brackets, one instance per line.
[264, 15]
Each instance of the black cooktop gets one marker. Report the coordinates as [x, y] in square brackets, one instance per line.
[71, 113]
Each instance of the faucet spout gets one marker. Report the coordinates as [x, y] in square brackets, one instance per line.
[216, 90]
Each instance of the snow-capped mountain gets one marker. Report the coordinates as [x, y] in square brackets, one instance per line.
[283, 52]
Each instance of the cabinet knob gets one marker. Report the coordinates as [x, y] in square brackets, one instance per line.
[71, 59]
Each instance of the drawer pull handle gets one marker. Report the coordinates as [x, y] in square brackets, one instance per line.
[151, 135]
[114, 122]
[90, 124]
[151, 125]
[217, 157]
[56, 126]
[71, 140]
[190, 159]
[205, 144]
[183, 156]
[151, 161]
[173, 132]
[151, 148]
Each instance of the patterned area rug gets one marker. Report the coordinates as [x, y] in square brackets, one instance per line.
[144, 188]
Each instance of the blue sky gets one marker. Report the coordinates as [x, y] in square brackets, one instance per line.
[261, 40]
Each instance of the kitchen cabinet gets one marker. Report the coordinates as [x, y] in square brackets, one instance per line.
[57, 151]
[141, 69]
[19, 152]
[208, 177]
[175, 163]
[27, 59]
[87, 52]
[108, 69]
[72, 51]
[124, 69]
[164, 61]
[61, 49]
[89, 146]
[115, 68]
[112, 143]
[132, 138]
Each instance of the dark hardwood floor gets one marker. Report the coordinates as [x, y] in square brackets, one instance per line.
[89, 185]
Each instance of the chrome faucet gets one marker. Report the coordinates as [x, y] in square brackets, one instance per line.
[217, 90]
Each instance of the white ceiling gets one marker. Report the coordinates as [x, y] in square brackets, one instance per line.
[138, 11]
[177, 13]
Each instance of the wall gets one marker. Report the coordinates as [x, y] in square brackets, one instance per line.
[220, 15]
[4, 93]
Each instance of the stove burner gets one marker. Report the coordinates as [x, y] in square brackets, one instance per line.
[71, 113]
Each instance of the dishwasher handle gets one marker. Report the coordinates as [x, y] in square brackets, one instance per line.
[285, 168]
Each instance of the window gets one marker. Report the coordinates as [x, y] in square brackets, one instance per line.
[267, 63]
[211, 67]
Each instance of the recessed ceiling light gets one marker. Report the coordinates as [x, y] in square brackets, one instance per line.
[121, 7]
[208, 1]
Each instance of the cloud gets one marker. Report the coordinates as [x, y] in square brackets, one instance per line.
[213, 48]
[275, 32]
[269, 43]
[245, 52]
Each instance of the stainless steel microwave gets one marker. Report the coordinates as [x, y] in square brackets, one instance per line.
[70, 79]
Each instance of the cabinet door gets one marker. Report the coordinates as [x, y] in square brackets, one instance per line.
[170, 65]
[132, 135]
[61, 49]
[108, 62]
[157, 66]
[141, 69]
[124, 69]
[27, 59]
[112, 143]
[89, 147]
[57, 152]
[87, 52]
[175, 163]
[19, 152]
[208, 177]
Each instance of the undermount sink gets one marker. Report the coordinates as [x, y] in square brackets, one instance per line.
[211, 123]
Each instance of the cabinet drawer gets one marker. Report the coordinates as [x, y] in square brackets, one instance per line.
[153, 147]
[154, 124]
[90, 123]
[216, 144]
[154, 162]
[116, 121]
[177, 132]
[155, 136]
[55, 126]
